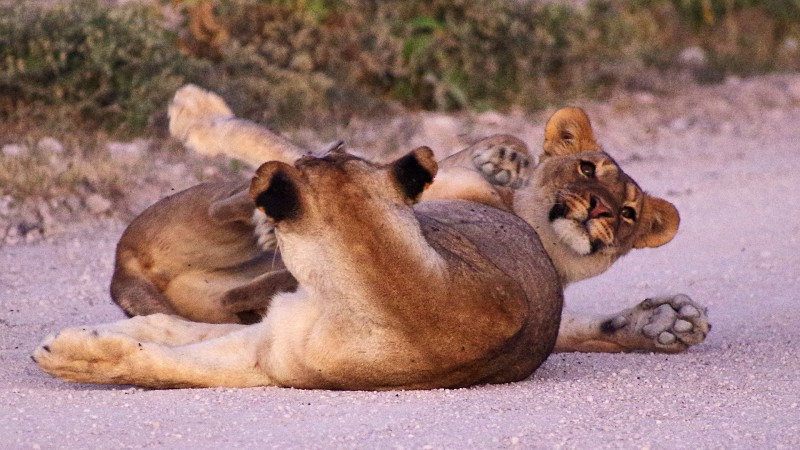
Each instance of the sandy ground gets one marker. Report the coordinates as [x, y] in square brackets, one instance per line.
[734, 180]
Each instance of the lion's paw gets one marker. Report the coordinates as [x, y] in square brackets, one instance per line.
[193, 106]
[668, 324]
[504, 165]
[85, 354]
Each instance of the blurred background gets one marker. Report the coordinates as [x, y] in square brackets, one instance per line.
[84, 84]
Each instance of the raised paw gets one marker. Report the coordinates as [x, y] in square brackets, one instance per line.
[193, 106]
[668, 324]
[503, 160]
[86, 355]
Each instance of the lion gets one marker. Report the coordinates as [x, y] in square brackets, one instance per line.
[445, 294]
[587, 210]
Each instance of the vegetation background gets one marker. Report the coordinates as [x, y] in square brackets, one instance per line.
[81, 79]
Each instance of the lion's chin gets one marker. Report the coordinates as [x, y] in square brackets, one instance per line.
[574, 235]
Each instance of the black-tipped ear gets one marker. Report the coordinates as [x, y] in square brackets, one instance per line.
[275, 192]
[414, 172]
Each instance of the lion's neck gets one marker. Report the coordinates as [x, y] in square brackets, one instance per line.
[388, 250]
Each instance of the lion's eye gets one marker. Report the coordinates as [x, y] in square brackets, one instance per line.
[587, 169]
[628, 213]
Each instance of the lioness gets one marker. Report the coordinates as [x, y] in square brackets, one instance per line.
[447, 294]
[587, 211]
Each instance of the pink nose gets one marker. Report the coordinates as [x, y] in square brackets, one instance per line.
[597, 208]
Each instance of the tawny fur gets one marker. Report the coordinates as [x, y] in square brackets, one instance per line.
[447, 294]
[492, 171]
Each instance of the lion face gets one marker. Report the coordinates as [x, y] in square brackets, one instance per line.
[587, 210]
[595, 205]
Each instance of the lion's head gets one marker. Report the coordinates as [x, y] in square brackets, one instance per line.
[587, 211]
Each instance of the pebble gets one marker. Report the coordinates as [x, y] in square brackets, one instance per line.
[128, 152]
[693, 56]
[679, 124]
[50, 145]
[5, 205]
[97, 204]
[13, 150]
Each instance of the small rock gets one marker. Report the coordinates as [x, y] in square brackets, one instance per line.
[733, 80]
[302, 62]
[97, 204]
[679, 124]
[693, 57]
[50, 146]
[128, 152]
[210, 171]
[5, 205]
[12, 235]
[791, 45]
[13, 150]
[73, 203]
[645, 98]
[491, 118]
[32, 236]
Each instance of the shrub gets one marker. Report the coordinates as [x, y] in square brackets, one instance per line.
[114, 66]
[316, 61]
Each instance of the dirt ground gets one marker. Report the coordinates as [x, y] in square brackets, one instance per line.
[727, 156]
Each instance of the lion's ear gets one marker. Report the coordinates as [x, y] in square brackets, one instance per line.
[275, 190]
[568, 131]
[414, 172]
[659, 223]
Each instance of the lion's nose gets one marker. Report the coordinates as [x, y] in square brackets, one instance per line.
[597, 208]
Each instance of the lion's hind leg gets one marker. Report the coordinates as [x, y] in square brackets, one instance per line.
[112, 354]
[205, 124]
[168, 329]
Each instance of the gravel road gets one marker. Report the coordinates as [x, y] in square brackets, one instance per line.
[734, 181]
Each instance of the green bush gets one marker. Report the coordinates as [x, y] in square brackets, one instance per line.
[113, 66]
[439, 54]
[312, 61]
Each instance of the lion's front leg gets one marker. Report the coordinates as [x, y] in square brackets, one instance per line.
[668, 324]
[107, 355]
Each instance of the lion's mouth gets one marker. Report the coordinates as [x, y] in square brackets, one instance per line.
[575, 230]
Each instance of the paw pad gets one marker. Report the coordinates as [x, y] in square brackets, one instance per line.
[665, 324]
[504, 164]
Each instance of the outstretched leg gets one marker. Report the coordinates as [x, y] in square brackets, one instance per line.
[144, 352]
[168, 329]
[204, 123]
[669, 324]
